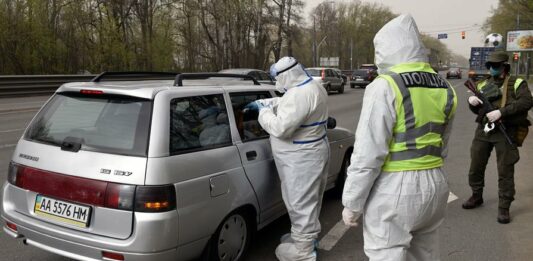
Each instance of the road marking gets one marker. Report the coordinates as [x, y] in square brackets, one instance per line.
[452, 197]
[333, 236]
[337, 232]
[3, 146]
[13, 130]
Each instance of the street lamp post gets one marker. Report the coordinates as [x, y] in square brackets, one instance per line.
[316, 46]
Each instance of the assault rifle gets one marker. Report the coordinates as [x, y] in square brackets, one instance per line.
[488, 108]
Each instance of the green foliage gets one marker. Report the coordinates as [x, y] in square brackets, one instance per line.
[504, 17]
[66, 36]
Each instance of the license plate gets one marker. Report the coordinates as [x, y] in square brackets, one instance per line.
[62, 211]
[358, 80]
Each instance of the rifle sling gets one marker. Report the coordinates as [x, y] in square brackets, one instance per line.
[504, 92]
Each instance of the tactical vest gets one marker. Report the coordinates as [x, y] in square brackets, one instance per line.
[424, 104]
[512, 84]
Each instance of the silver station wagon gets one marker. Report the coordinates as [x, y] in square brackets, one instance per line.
[149, 170]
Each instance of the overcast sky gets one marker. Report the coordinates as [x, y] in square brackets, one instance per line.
[444, 16]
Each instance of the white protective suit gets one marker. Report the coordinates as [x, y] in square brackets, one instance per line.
[296, 123]
[401, 210]
[214, 133]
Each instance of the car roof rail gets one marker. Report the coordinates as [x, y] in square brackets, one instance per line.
[180, 77]
[136, 74]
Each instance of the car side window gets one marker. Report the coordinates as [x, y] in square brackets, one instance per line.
[246, 120]
[198, 123]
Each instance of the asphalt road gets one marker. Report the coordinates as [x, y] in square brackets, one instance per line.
[465, 235]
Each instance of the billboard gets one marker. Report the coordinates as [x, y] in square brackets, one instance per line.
[329, 61]
[520, 41]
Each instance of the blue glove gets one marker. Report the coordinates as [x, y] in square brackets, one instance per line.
[255, 105]
[251, 106]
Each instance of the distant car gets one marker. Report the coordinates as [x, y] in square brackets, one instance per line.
[261, 76]
[454, 73]
[369, 66]
[328, 77]
[344, 77]
[362, 77]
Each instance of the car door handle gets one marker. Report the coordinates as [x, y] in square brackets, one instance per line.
[251, 155]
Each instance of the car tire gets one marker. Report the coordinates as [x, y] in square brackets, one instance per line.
[341, 89]
[231, 239]
[328, 88]
[343, 173]
[352, 86]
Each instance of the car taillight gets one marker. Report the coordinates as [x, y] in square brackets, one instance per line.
[12, 173]
[155, 198]
[119, 196]
[82, 190]
[93, 192]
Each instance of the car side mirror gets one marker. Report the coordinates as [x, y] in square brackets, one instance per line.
[332, 123]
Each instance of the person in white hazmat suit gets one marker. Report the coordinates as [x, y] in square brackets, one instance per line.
[395, 178]
[296, 123]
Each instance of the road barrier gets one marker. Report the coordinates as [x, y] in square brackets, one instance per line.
[26, 85]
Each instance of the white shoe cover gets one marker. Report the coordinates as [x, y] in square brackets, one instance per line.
[296, 251]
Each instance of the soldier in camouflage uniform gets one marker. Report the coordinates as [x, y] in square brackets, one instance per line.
[512, 98]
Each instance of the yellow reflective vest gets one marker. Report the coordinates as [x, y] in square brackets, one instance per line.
[425, 102]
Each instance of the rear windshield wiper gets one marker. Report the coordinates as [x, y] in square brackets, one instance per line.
[72, 144]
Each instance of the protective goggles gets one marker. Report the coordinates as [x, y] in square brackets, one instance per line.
[274, 73]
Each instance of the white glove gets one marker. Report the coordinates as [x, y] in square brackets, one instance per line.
[474, 100]
[494, 116]
[350, 218]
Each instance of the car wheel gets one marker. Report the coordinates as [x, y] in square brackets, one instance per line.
[232, 238]
[352, 86]
[341, 89]
[328, 88]
[343, 173]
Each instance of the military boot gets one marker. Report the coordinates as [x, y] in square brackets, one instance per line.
[474, 201]
[503, 216]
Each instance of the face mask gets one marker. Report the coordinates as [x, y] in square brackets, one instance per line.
[495, 72]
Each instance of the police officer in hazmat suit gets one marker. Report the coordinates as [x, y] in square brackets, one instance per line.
[296, 123]
[395, 179]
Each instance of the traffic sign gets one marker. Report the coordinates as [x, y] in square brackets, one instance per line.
[442, 36]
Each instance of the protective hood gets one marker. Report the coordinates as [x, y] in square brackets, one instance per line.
[289, 74]
[398, 42]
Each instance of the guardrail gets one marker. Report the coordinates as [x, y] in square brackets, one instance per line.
[22, 85]
[25, 85]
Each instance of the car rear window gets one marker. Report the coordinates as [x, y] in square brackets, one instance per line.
[369, 67]
[314, 72]
[102, 123]
[360, 73]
